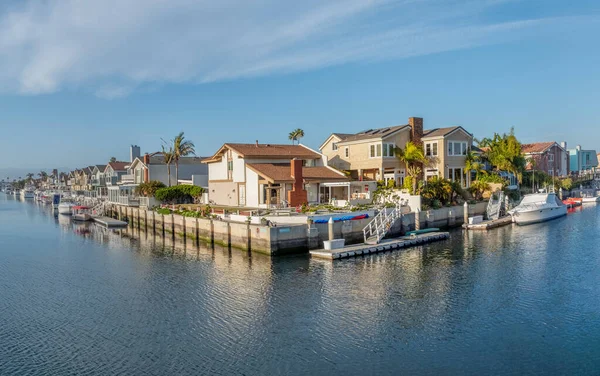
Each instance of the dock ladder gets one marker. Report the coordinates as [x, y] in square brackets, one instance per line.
[496, 208]
[378, 228]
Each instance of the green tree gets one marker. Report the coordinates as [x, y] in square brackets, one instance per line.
[504, 153]
[43, 175]
[181, 148]
[29, 176]
[414, 158]
[296, 135]
[113, 159]
[473, 163]
[149, 189]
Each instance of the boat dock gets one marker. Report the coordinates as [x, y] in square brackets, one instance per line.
[386, 245]
[109, 222]
[490, 224]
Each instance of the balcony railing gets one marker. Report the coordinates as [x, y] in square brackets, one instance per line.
[125, 200]
[127, 178]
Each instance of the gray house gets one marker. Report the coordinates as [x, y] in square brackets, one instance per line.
[153, 168]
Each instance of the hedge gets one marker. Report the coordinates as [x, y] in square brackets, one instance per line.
[179, 194]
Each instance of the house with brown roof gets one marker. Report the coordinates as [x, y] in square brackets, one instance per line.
[267, 175]
[447, 150]
[549, 157]
[370, 155]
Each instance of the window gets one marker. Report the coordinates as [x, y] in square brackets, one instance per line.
[375, 150]
[230, 166]
[551, 157]
[456, 148]
[347, 152]
[334, 146]
[372, 151]
[431, 149]
[378, 150]
[391, 150]
[551, 172]
[457, 175]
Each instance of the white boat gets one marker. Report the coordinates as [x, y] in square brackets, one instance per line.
[65, 208]
[81, 213]
[538, 207]
[590, 200]
[28, 193]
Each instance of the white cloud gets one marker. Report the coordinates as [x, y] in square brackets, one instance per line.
[110, 47]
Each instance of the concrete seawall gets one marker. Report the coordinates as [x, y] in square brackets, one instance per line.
[282, 239]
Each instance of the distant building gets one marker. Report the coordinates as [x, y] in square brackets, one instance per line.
[582, 160]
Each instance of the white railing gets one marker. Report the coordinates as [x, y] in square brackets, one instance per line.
[380, 225]
[127, 178]
[125, 200]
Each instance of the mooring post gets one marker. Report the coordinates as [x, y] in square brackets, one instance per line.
[417, 219]
[330, 229]
[466, 213]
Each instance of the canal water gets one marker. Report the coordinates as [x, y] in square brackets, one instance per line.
[81, 300]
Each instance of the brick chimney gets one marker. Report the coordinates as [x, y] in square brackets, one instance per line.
[416, 129]
[147, 170]
[297, 196]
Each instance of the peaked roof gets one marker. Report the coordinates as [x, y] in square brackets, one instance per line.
[159, 159]
[379, 133]
[118, 166]
[274, 151]
[441, 132]
[282, 172]
[538, 147]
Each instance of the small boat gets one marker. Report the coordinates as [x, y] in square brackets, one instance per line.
[65, 207]
[81, 213]
[572, 202]
[538, 207]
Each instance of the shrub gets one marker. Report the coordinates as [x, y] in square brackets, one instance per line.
[149, 189]
[179, 194]
[164, 211]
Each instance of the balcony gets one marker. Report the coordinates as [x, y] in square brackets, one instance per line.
[125, 200]
[127, 179]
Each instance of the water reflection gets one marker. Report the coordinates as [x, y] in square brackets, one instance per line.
[92, 300]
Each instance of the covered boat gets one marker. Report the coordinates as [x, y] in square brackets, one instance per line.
[81, 213]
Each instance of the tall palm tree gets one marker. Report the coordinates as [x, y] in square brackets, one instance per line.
[296, 135]
[414, 158]
[181, 148]
[43, 175]
[168, 155]
[29, 176]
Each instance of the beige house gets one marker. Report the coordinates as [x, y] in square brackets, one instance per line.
[370, 155]
[447, 148]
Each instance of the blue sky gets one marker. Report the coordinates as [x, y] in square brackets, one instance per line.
[81, 81]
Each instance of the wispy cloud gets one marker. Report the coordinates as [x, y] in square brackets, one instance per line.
[110, 47]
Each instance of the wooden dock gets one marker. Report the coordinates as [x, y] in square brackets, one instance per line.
[386, 245]
[109, 222]
[487, 225]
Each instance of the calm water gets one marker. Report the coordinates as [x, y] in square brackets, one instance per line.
[79, 300]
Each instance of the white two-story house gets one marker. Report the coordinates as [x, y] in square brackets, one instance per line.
[266, 175]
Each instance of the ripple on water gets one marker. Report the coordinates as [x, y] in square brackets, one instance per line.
[85, 301]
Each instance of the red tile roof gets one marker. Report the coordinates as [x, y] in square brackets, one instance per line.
[282, 172]
[538, 147]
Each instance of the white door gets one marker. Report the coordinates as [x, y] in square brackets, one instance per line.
[242, 195]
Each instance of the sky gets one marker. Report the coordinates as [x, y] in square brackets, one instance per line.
[80, 80]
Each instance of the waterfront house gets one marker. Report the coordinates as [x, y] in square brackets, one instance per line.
[582, 161]
[152, 167]
[98, 181]
[549, 157]
[447, 149]
[371, 155]
[269, 175]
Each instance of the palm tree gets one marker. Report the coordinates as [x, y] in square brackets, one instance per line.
[473, 163]
[414, 158]
[296, 135]
[168, 155]
[43, 175]
[113, 159]
[29, 176]
[181, 148]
